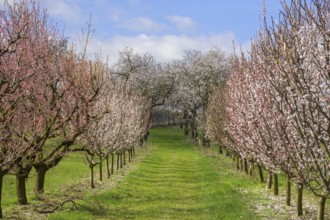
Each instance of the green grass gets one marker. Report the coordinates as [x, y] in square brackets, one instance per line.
[170, 179]
[70, 170]
[175, 181]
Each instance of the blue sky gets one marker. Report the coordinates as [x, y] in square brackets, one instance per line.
[164, 28]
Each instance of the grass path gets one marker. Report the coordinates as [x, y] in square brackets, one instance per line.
[175, 181]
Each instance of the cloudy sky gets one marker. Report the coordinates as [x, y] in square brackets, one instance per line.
[164, 28]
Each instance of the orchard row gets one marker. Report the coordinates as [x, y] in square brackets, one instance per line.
[55, 99]
[275, 107]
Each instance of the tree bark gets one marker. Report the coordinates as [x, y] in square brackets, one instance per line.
[241, 164]
[1, 181]
[21, 177]
[299, 199]
[101, 171]
[118, 158]
[124, 155]
[261, 175]
[251, 168]
[205, 141]
[320, 215]
[275, 179]
[186, 129]
[288, 191]
[92, 185]
[107, 165]
[121, 160]
[220, 149]
[41, 170]
[269, 180]
[129, 155]
[112, 162]
[193, 134]
[245, 167]
[237, 162]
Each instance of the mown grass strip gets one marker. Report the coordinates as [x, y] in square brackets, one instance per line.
[175, 181]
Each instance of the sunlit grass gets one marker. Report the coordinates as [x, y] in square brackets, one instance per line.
[70, 170]
[175, 181]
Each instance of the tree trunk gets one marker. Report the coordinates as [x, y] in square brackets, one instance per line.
[206, 142]
[118, 156]
[251, 168]
[101, 171]
[220, 149]
[269, 180]
[322, 202]
[1, 181]
[241, 164]
[107, 165]
[245, 167]
[288, 191]
[124, 157]
[21, 189]
[129, 155]
[192, 132]
[92, 176]
[299, 199]
[261, 175]
[121, 160]
[146, 136]
[275, 178]
[228, 153]
[41, 170]
[237, 162]
[186, 129]
[112, 161]
[21, 177]
[134, 152]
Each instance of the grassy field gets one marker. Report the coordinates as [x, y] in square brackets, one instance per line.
[175, 181]
[70, 171]
[170, 179]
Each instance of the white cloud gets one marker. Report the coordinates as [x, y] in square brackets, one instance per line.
[183, 24]
[142, 24]
[62, 9]
[165, 47]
